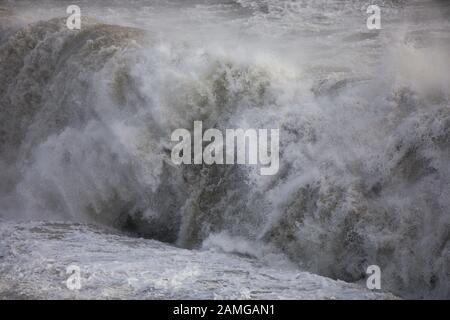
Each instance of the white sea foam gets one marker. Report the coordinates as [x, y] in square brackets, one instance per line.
[364, 118]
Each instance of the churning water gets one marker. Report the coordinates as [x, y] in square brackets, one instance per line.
[86, 118]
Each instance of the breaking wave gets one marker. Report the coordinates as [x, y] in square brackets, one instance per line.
[86, 118]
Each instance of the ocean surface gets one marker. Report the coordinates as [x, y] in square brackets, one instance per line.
[86, 177]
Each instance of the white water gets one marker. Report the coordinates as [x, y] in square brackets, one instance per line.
[35, 257]
[364, 120]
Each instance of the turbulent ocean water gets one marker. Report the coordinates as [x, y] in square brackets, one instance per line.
[86, 176]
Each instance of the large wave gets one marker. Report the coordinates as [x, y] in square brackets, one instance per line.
[86, 118]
